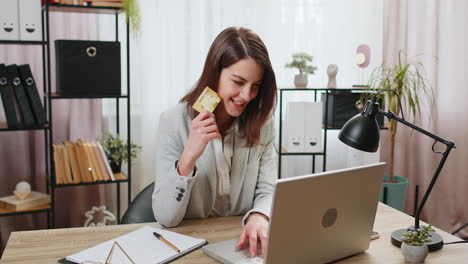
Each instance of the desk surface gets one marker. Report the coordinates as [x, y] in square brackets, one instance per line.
[47, 246]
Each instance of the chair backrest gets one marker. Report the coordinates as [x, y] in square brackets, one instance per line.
[140, 209]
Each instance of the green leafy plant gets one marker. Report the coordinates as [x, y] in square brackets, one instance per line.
[301, 62]
[116, 149]
[418, 237]
[132, 12]
[406, 80]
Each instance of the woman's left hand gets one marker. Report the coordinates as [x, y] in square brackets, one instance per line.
[255, 229]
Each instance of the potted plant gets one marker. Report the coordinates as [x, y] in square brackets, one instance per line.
[405, 80]
[413, 246]
[300, 61]
[116, 150]
[132, 13]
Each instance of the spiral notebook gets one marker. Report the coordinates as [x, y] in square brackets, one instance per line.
[140, 246]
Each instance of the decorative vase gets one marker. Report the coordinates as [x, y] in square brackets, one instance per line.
[116, 167]
[300, 80]
[414, 254]
[396, 192]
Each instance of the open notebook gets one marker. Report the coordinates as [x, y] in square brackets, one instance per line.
[141, 246]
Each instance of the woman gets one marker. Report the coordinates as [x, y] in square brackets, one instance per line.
[222, 163]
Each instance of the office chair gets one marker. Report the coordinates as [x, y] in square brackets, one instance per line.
[140, 209]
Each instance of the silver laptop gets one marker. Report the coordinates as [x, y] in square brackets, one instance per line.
[316, 218]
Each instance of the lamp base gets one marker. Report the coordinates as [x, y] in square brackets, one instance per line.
[436, 243]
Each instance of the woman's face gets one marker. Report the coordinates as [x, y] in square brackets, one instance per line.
[238, 84]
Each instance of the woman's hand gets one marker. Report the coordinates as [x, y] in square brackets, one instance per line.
[255, 229]
[202, 130]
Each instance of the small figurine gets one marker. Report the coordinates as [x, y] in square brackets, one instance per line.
[96, 213]
[332, 70]
[22, 190]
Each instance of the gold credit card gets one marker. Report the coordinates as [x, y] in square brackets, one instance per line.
[208, 100]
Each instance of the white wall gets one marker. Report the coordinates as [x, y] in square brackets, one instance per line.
[168, 56]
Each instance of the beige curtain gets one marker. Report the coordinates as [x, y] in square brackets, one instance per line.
[434, 32]
[22, 154]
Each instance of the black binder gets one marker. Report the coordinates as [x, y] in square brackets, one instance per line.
[6, 92]
[20, 94]
[32, 94]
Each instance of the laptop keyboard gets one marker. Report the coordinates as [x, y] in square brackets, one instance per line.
[249, 260]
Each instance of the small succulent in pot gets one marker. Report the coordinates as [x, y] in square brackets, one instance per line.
[116, 150]
[413, 246]
[301, 62]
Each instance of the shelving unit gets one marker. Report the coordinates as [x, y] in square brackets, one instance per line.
[45, 128]
[56, 96]
[316, 92]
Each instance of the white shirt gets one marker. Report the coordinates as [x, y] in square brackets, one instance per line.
[223, 150]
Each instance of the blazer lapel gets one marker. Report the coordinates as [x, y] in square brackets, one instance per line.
[240, 160]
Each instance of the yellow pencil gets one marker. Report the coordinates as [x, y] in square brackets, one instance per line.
[160, 237]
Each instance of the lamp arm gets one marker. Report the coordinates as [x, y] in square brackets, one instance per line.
[449, 145]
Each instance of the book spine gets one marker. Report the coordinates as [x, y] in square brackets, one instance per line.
[73, 161]
[57, 165]
[94, 171]
[100, 162]
[66, 164]
[106, 161]
[88, 175]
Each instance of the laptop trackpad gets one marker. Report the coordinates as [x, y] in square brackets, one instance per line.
[227, 253]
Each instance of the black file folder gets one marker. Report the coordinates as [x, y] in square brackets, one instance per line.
[8, 99]
[20, 94]
[32, 94]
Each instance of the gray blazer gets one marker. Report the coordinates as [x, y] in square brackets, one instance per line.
[253, 173]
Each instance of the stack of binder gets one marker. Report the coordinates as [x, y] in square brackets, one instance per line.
[81, 162]
[21, 101]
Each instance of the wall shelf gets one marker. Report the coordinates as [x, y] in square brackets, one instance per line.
[316, 93]
[60, 96]
[3, 127]
[53, 96]
[83, 9]
[32, 210]
[22, 42]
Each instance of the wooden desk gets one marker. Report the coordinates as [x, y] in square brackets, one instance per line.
[47, 246]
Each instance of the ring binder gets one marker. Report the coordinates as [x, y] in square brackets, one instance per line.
[32, 94]
[20, 95]
[6, 93]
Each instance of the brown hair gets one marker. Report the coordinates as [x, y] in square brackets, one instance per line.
[230, 46]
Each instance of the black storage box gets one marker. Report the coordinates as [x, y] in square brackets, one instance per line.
[341, 107]
[88, 68]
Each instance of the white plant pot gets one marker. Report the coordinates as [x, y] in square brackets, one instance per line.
[300, 80]
[414, 254]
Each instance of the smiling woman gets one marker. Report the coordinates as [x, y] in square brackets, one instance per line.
[238, 85]
[222, 163]
[235, 55]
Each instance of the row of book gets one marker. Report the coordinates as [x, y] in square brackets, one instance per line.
[22, 104]
[81, 162]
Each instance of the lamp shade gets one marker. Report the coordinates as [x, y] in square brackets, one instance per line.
[361, 132]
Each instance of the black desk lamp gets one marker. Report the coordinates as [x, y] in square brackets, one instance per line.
[362, 132]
